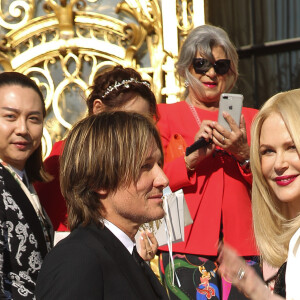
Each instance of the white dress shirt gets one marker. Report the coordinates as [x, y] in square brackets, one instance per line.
[293, 268]
[120, 235]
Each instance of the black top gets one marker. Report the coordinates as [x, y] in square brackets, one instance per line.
[279, 287]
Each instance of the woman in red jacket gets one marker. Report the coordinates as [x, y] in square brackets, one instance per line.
[215, 179]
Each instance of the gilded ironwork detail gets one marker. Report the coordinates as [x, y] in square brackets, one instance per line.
[148, 15]
[64, 46]
[16, 14]
[185, 17]
[64, 14]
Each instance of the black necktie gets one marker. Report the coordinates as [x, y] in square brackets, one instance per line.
[138, 259]
[155, 284]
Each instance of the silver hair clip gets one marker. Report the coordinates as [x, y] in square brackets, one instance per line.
[124, 82]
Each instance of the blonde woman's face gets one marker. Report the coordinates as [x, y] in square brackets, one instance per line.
[280, 162]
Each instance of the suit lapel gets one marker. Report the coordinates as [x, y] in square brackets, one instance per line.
[27, 209]
[156, 285]
[127, 265]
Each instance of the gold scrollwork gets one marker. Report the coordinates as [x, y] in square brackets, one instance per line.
[46, 86]
[73, 77]
[5, 62]
[67, 47]
[64, 14]
[185, 16]
[19, 13]
[97, 67]
[148, 14]
[43, 79]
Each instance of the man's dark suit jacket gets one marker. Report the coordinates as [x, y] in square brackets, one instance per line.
[91, 263]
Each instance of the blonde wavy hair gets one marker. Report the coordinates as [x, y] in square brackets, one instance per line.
[272, 227]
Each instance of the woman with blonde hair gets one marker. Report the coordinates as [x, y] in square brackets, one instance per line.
[275, 165]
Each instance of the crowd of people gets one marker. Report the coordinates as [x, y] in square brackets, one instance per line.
[107, 178]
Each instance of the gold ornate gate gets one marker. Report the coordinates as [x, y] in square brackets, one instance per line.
[62, 45]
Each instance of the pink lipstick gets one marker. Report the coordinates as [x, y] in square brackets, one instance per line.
[285, 180]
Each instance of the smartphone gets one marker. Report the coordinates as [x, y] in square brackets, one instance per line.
[232, 104]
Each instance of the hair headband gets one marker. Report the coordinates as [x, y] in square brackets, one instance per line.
[124, 82]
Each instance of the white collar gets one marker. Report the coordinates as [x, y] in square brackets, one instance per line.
[20, 173]
[120, 235]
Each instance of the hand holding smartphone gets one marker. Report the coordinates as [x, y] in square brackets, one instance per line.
[232, 104]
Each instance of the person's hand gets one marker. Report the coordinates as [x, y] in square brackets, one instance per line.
[205, 131]
[148, 248]
[234, 141]
[234, 269]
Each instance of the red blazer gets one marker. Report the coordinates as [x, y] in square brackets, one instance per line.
[49, 193]
[217, 194]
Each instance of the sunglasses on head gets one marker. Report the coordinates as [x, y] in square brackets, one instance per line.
[202, 65]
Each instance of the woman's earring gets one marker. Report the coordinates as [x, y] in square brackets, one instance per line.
[186, 83]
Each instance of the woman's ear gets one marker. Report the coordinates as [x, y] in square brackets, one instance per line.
[98, 106]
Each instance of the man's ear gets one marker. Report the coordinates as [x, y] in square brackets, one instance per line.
[102, 192]
[98, 106]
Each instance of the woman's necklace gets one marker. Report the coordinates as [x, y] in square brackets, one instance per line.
[193, 110]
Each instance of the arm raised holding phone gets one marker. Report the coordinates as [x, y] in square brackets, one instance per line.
[228, 133]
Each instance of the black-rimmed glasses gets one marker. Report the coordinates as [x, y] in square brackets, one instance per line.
[202, 65]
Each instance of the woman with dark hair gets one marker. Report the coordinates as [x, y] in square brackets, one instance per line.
[25, 230]
[121, 89]
[117, 89]
[215, 179]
